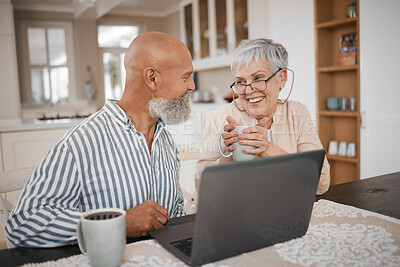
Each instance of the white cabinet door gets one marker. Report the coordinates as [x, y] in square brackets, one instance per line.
[258, 19]
[222, 23]
[380, 89]
[9, 92]
[27, 149]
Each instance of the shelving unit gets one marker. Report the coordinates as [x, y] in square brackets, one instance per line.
[335, 80]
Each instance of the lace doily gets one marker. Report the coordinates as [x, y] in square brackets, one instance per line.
[325, 208]
[342, 245]
[338, 235]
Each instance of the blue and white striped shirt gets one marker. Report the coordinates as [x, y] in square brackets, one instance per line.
[103, 162]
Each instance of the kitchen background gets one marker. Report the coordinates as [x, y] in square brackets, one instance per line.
[89, 38]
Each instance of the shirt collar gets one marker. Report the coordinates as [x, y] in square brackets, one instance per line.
[116, 113]
[120, 117]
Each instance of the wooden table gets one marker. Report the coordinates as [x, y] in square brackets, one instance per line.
[379, 194]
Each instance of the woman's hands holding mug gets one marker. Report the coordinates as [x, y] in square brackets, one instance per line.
[229, 137]
[256, 136]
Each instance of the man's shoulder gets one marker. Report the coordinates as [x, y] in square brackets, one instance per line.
[90, 124]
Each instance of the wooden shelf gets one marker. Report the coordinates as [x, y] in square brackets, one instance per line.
[329, 113]
[342, 159]
[337, 68]
[332, 80]
[334, 24]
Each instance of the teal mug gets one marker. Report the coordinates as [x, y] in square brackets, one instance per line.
[238, 154]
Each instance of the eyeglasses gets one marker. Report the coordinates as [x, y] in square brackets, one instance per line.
[259, 85]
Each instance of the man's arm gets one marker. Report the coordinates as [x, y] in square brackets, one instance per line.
[47, 212]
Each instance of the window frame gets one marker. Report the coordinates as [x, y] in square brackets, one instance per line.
[116, 50]
[26, 89]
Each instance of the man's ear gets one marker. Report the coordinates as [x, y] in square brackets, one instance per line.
[151, 78]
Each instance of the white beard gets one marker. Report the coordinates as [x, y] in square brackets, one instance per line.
[171, 111]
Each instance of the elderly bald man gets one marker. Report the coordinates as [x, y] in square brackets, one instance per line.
[121, 157]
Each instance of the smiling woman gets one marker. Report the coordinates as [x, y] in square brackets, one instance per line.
[276, 127]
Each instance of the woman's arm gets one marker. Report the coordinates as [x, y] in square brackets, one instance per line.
[308, 140]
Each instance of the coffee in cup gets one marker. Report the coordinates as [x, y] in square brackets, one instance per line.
[102, 236]
[238, 154]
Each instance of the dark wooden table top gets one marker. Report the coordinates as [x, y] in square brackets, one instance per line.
[379, 194]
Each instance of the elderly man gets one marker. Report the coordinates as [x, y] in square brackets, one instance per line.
[121, 157]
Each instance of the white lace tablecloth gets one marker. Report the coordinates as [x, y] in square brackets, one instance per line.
[338, 235]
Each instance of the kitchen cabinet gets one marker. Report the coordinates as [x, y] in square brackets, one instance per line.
[337, 80]
[9, 93]
[27, 148]
[212, 29]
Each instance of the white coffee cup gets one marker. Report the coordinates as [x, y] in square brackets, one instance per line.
[238, 154]
[333, 148]
[102, 235]
[352, 104]
[342, 149]
[351, 150]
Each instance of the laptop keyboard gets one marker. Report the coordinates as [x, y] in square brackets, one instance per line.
[184, 245]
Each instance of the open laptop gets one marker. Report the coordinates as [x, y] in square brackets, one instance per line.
[244, 206]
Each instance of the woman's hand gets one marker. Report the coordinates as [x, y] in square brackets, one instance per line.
[229, 137]
[257, 136]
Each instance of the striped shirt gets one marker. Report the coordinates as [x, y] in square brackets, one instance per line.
[102, 162]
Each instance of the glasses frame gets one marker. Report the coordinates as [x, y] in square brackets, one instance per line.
[232, 86]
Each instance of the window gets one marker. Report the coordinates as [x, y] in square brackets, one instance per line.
[113, 41]
[48, 60]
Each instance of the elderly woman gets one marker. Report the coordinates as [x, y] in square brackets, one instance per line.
[259, 69]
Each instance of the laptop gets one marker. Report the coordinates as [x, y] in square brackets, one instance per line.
[244, 206]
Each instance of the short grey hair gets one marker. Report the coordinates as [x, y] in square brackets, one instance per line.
[272, 52]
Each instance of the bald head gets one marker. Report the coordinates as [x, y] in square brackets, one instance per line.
[155, 49]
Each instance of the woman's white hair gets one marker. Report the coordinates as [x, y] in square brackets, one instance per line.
[272, 52]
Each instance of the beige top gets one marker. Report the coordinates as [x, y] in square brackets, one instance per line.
[292, 130]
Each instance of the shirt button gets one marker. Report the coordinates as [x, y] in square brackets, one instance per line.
[127, 127]
[140, 138]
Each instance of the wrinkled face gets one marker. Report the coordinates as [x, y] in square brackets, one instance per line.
[258, 104]
[171, 101]
[176, 76]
